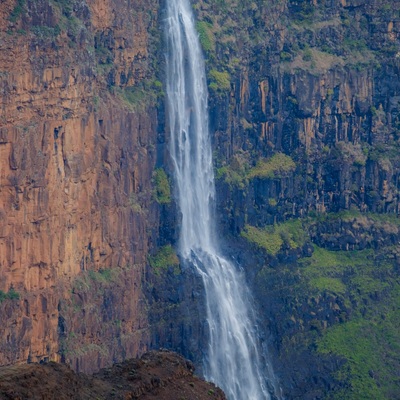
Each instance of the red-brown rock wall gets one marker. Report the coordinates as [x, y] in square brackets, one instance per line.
[72, 155]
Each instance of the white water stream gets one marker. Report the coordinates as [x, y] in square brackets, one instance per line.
[232, 360]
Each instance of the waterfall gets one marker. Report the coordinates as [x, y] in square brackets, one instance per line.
[232, 360]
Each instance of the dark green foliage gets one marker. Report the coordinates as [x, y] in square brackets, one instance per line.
[162, 190]
[10, 295]
[46, 32]
[285, 56]
[307, 54]
[163, 259]
[17, 11]
[302, 10]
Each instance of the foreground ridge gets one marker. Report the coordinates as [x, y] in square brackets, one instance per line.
[162, 375]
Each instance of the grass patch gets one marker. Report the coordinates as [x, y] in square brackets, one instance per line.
[272, 238]
[220, 81]
[278, 166]
[371, 350]
[144, 94]
[269, 241]
[46, 32]
[326, 263]
[163, 259]
[334, 285]
[206, 36]
[162, 189]
[232, 177]
[100, 280]
[103, 275]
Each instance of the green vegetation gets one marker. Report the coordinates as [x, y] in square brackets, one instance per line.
[206, 35]
[285, 56]
[272, 202]
[323, 284]
[66, 6]
[272, 238]
[278, 166]
[232, 177]
[269, 241]
[46, 32]
[101, 279]
[102, 275]
[135, 202]
[381, 221]
[144, 94]
[17, 11]
[162, 189]
[10, 295]
[163, 259]
[371, 348]
[326, 269]
[234, 174]
[307, 54]
[104, 56]
[220, 81]
[345, 304]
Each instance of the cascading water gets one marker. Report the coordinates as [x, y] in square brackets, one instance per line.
[232, 360]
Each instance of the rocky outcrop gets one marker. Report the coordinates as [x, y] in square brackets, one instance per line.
[162, 375]
[76, 155]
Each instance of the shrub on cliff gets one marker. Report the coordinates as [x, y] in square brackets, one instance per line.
[220, 81]
[162, 189]
[163, 259]
[278, 166]
[11, 295]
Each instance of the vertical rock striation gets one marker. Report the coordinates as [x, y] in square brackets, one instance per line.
[75, 153]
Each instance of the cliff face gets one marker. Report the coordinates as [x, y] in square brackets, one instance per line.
[77, 151]
[304, 100]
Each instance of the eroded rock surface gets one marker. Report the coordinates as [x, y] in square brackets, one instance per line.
[76, 156]
[157, 375]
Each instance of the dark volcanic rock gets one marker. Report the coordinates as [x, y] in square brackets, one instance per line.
[159, 375]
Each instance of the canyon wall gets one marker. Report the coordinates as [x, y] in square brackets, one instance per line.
[304, 104]
[77, 153]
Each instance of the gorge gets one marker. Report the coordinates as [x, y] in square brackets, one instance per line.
[304, 135]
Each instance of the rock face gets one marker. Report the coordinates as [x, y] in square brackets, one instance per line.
[76, 155]
[304, 100]
[157, 375]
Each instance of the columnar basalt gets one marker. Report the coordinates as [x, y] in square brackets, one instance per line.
[74, 153]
